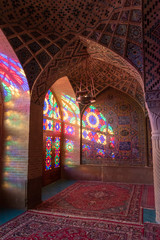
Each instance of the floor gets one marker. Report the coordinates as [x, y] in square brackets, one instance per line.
[8, 214]
[51, 190]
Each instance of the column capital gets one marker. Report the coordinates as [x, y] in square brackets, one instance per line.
[153, 99]
[153, 107]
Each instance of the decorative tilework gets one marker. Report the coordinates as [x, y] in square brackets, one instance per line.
[99, 21]
[134, 53]
[61, 42]
[36, 34]
[44, 41]
[32, 70]
[18, 29]
[124, 16]
[15, 42]
[25, 37]
[121, 29]
[135, 33]
[53, 49]
[23, 55]
[118, 45]
[122, 141]
[136, 16]
[43, 58]
[7, 31]
[34, 47]
[110, 28]
[105, 39]
[151, 44]
[127, 3]
[51, 15]
[136, 2]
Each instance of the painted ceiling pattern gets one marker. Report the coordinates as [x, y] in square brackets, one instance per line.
[80, 67]
[152, 44]
[105, 75]
[105, 54]
[40, 31]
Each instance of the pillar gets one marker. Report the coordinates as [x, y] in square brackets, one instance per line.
[153, 106]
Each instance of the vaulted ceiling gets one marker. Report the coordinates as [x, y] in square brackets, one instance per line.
[53, 38]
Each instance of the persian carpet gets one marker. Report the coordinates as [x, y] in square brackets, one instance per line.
[35, 225]
[152, 231]
[98, 200]
[148, 197]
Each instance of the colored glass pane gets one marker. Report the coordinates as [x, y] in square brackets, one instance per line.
[57, 126]
[86, 147]
[48, 105]
[100, 152]
[110, 130]
[71, 111]
[94, 136]
[69, 145]
[56, 111]
[70, 130]
[92, 118]
[68, 114]
[57, 152]
[48, 161]
[47, 125]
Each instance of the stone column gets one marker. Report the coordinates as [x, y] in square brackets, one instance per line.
[153, 106]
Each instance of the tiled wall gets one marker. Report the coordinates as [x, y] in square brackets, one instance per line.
[114, 131]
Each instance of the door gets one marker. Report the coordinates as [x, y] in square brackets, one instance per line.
[51, 156]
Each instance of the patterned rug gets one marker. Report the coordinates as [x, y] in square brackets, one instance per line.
[152, 231]
[98, 200]
[33, 225]
[148, 197]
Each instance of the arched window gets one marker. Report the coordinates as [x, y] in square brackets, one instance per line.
[71, 118]
[113, 131]
[94, 134]
[52, 138]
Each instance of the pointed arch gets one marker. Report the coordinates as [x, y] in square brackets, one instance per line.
[16, 100]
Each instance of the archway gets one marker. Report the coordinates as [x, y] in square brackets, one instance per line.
[114, 131]
[105, 74]
[61, 123]
[16, 127]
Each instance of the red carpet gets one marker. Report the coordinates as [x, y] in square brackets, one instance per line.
[148, 197]
[35, 226]
[98, 200]
[152, 231]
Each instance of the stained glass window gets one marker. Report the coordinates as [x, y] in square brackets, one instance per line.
[94, 136]
[71, 111]
[98, 133]
[52, 122]
[48, 105]
[56, 111]
[57, 126]
[100, 152]
[69, 145]
[57, 152]
[48, 162]
[92, 118]
[69, 129]
[47, 124]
